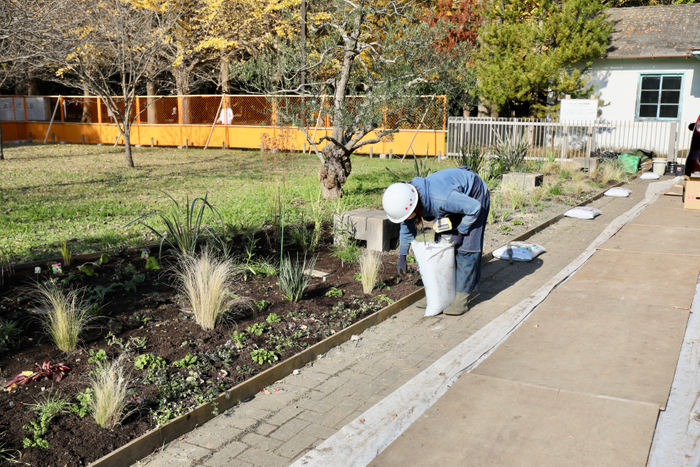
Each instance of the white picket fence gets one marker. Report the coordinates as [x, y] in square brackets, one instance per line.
[568, 140]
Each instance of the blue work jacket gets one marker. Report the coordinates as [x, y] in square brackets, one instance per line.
[442, 193]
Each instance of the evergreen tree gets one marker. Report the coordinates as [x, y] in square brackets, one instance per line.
[533, 53]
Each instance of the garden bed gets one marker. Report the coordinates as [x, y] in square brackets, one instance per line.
[144, 316]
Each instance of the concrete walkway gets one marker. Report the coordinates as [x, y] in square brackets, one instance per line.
[296, 415]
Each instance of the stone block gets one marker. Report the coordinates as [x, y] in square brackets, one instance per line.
[371, 225]
[529, 181]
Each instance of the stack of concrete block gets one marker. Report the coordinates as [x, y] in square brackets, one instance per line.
[529, 181]
[371, 225]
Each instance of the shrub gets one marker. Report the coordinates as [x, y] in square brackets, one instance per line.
[9, 333]
[66, 253]
[184, 228]
[473, 157]
[295, 276]
[612, 169]
[110, 386]
[514, 191]
[369, 269]
[203, 281]
[511, 150]
[67, 316]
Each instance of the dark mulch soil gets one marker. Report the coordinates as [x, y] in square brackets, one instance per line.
[156, 312]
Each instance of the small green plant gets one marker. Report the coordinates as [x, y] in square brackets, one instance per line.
[84, 398]
[239, 338]
[564, 175]
[66, 253]
[261, 356]
[203, 280]
[257, 329]
[67, 317]
[334, 292]
[46, 409]
[347, 251]
[554, 190]
[505, 228]
[188, 362]
[148, 361]
[295, 277]
[273, 318]
[262, 305]
[370, 261]
[98, 358]
[9, 333]
[110, 387]
[7, 267]
[185, 227]
[517, 222]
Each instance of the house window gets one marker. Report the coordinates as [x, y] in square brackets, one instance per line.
[660, 97]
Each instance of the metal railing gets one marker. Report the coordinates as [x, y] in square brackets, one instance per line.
[564, 140]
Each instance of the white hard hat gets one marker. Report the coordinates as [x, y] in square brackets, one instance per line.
[399, 201]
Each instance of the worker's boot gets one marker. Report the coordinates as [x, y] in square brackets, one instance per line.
[422, 303]
[459, 306]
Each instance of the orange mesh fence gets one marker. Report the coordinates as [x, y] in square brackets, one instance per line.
[253, 110]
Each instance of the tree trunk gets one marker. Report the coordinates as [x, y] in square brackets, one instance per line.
[127, 147]
[151, 91]
[87, 113]
[182, 84]
[224, 79]
[334, 171]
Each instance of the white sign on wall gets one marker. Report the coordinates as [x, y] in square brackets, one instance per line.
[579, 110]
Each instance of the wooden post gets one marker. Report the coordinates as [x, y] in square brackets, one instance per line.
[565, 137]
[51, 122]
[214, 123]
[99, 110]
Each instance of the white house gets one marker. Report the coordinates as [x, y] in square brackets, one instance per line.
[651, 71]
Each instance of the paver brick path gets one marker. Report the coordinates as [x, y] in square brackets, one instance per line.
[303, 410]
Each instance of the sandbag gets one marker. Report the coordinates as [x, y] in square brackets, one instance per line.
[618, 192]
[583, 212]
[649, 176]
[519, 251]
[436, 262]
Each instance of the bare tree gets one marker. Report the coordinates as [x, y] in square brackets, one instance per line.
[105, 47]
[381, 50]
[16, 29]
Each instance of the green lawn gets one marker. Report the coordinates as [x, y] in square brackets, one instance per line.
[85, 195]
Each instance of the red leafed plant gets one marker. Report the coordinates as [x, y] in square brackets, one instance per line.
[54, 372]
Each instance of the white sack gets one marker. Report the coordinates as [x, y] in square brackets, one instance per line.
[436, 262]
[618, 192]
[583, 212]
[520, 251]
[649, 176]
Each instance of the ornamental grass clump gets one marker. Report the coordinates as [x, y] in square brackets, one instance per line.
[203, 280]
[67, 316]
[369, 269]
[110, 385]
[295, 276]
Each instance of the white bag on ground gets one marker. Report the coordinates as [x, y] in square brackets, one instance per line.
[583, 212]
[618, 192]
[436, 262]
[649, 176]
[519, 251]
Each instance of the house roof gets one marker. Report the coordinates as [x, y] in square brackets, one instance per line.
[654, 31]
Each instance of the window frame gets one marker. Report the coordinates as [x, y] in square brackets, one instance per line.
[637, 117]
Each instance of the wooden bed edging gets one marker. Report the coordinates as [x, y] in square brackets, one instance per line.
[154, 439]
